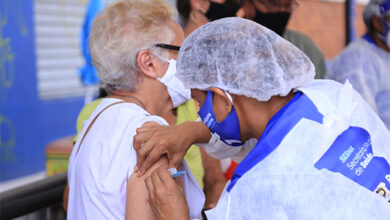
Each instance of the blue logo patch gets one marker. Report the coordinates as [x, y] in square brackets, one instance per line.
[351, 155]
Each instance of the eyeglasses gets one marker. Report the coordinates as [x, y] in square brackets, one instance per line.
[167, 46]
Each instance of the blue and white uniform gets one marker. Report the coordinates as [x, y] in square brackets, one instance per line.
[367, 67]
[322, 156]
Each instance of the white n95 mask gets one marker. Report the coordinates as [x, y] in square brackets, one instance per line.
[176, 89]
[220, 150]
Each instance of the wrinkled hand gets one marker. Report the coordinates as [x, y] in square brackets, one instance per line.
[154, 140]
[166, 198]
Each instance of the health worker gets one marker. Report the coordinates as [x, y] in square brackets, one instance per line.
[322, 152]
[366, 61]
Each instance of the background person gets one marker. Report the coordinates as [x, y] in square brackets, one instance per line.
[195, 13]
[275, 14]
[138, 72]
[366, 61]
[318, 140]
[192, 14]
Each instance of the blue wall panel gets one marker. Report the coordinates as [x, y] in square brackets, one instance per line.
[27, 123]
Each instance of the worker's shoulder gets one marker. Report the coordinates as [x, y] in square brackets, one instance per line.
[360, 47]
[290, 34]
[358, 53]
[306, 44]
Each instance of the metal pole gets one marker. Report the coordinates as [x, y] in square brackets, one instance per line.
[32, 197]
[349, 21]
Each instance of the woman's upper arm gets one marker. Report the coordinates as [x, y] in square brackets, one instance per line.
[137, 199]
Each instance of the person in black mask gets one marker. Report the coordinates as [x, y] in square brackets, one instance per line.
[195, 13]
[192, 14]
[273, 14]
[219, 10]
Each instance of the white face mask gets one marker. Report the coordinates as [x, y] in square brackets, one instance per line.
[176, 89]
[218, 149]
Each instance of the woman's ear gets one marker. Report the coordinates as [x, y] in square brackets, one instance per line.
[146, 63]
[222, 94]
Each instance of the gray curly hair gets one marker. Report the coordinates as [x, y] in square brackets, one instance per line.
[120, 31]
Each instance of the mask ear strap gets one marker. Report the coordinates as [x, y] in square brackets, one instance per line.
[229, 97]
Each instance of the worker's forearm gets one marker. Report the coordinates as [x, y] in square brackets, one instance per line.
[198, 132]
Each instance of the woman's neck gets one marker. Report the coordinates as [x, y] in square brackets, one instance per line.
[128, 97]
[139, 99]
[195, 20]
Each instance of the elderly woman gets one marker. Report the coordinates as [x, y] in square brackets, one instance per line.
[134, 45]
[322, 153]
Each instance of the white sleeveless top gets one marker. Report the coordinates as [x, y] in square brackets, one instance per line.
[98, 173]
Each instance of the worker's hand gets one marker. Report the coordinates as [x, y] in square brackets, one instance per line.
[166, 198]
[154, 140]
